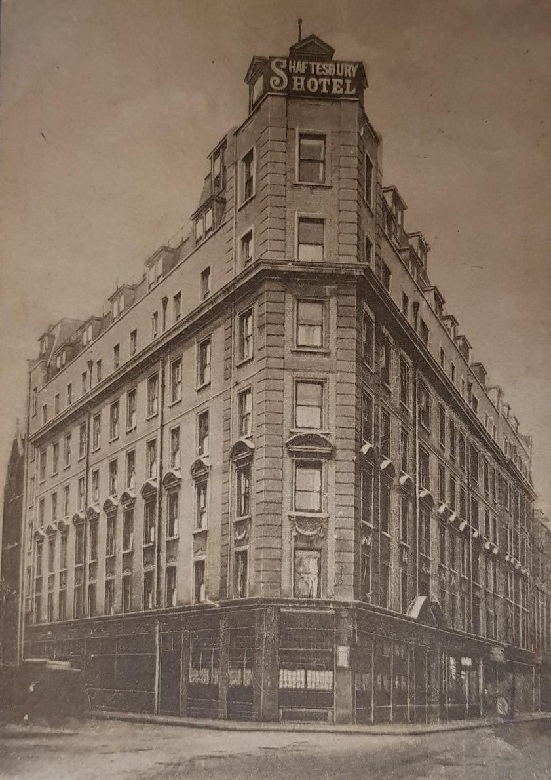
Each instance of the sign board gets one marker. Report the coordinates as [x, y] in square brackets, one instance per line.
[309, 78]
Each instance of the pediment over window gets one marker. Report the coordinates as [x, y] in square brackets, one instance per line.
[312, 48]
[406, 482]
[387, 468]
[92, 513]
[368, 451]
[63, 526]
[110, 504]
[426, 496]
[51, 529]
[444, 511]
[427, 610]
[242, 449]
[149, 489]
[199, 468]
[310, 444]
[172, 479]
[128, 498]
[79, 517]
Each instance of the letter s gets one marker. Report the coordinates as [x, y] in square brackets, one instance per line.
[280, 80]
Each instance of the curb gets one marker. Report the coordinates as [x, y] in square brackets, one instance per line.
[361, 730]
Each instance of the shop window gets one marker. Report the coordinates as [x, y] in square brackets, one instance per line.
[311, 239]
[311, 159]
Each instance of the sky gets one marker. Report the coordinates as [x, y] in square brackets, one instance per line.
[110, 107]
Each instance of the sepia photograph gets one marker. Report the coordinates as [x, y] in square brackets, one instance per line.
[275, 367]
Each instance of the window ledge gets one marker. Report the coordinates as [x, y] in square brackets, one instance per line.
[147, 545]
[151, 416]
[174, 403]
[200, 530]
[247, 200]
[323, 185]
[113, 438]
[242, 361]
[311, 350]
[173, 538]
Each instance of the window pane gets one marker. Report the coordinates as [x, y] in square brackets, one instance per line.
[308, 488]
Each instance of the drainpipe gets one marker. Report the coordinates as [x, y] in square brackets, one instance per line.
[159, 536]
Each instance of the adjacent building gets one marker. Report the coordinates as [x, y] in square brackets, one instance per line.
[273, 482]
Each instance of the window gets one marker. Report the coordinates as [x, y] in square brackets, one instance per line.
[203, 433]
[176, 380]
[386, 276]
[310, 239]
[415, 311]
[57, 404]
[385, 434]
[110, 534]
[131, 409]
[404, 519]
[95, 486]
[172, 511]
[131, 469]
[84, 385]
[462, 452]
[310, 316]
[96, 432]
[44, 414]
[128, 529]
[309, 405]
[245, 335]
[424, 333]
[209, 220]
[243, 475]
[82, 440]
[205, 283]
[133, 342]
[171, 586]
[42, 458]
[69, 394]
[367, 418]
[368, 339]
[441, 484]
[175, 448]
[405, 382]
[473, 463]
[41, 511]
[199, 229]
[92, 600]
[474, 403]
[93, 540]
[203, 363]
[311, 159]
[307, 574]
[247, 175]
[34, 401]
[98, 371]
[67, 450]
[151, 459]
[423, 400]
[405, 304]
[404, 450]
[452, 372]
[246, 247]
[308, 486]
[127, 593]
[442, 426]
[148, 590]
[63, 552]
[201, 504]
[109, 604]
[55, 457]
[154, 324]
[452, 437]
[113, 474]
[240, 573]
[81, 494]
[199, 592]
[453, 493]
[245, 412]
[368, 182]
[218, 170]
[149, 522]
[66, 494]
[368, 250]
[54, 507]
[114, 421]
[152, 395]
[79, 544]
[386, 360]
[424, 469]
[384, 506]
[442, 357]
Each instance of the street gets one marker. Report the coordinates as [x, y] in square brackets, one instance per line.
[121, 750]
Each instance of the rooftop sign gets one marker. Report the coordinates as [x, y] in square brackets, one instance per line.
[312, 77]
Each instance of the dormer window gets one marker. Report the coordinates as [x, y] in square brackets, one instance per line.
[155, 272]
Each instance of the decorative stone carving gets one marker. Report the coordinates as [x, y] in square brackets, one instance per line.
[243, 449]
[149, 489]
[314, 445]
[309, 527]
[172, 479]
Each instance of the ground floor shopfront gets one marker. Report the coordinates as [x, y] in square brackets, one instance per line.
[267, 661]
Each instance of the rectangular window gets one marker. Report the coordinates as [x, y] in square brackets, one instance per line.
[67, 450]
[308, 486]
[175, 448]
[441, 484]
[247, 247]
[311, 159]
[309, 405]
[386, 361]
[41, 511]
[201, 504]
[148, 590]
[424, 333]
[404, 450]
[57, 404]
[473, 463]
[240, 573]
[385, 434]
[116, 356]
[209, 221]
[133, 342]
[54, 507]
[245, 412]
[368, 180]
[247, 175]
[128, 529]
[66, 494]
[154, 324]
[81, 494]
[404, 519]
[96, 432]
[42, 458]
[82, 441]
[205, 283]
[93, 540]
[368, 250]
[452, 372]
[405, 382]
[171, 598]
[199, 592]
[423, 400]
[310, 239]
[79, 544]
[452, 438]
[114, 421]
[109, 604]
[92, 600]
[98, 371]
[424, 469]
[55, 457]
[368, 339]
[34, 401]
[243, 477]
[44, 414]
[307, 574]
[113, 475]
[149, 518]
[84, 382]
[366, 476]
[405, 305]
[152, 395]
[442, 426]
[462, 452]
[203, 433]
[95, 486]
[69, 396]
[131, 469]
[442, 357]
[245, 335]
[310, 315]
[172, 511]
[367, 418]
[384, 505]
[110, 534]
[386, 276]
[151, 459]
[203, 363]
[127, 593]
[176, 380]
[177, 306]
[131, 410]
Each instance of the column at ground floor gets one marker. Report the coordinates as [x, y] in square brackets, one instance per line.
[293, 661]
